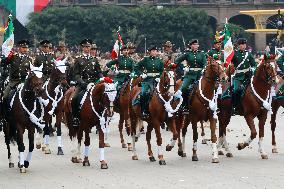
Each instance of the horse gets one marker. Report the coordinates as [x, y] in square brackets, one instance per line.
[96, 110]
[27, 106]
[162, 108]
[122, 107]
[53, 89]
[203, 106]
[256, 102]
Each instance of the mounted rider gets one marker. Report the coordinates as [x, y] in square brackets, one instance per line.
[244, 65]
[216, 53]
[149, 68]
[196, 62]
[87, 72]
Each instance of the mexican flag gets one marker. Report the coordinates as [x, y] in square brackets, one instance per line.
[8, 38]
[228, 46]
[117, 46]
[22, 8]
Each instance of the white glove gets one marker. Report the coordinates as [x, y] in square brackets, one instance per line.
[186, 69]
[90, 85]
[144, 76]
[157, 80]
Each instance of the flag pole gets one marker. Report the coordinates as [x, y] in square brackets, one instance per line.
[145, 47]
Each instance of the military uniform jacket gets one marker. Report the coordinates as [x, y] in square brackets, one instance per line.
[45, 59]
[243, 61]
[217, 52]
[87, 69]
[19, 67]
[123, 63]
[196, 61]
[152, 66]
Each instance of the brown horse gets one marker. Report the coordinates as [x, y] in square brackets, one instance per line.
[277, 102]
[122, 107]
[203, 107]
[254, 104]
[28, 109]
[54, 92]
[162, 108]
[96, 110]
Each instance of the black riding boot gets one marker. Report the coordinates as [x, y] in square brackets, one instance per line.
[235, 101]
[144, 106]
[75, 111]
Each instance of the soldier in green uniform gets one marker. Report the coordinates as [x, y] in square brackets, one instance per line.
[46, 58]
[87, 71]
[244, 65]
[124, 65]
[216, 52]
[19, 67]
[196, 61]
[150, 68]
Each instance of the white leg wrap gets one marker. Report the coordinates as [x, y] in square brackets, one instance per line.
[59, 141]
[86, 151]
[274, 147]
[78, 149]
[11, 159]
[160, 150]
[226, 145]
[214, 150]
[46, 139]
[183, 144]
[194, 147]
[172, 142]
[29, 156]
[22, 158]
[102, 154]
[133, 146]
[260, 146]
[38, 138]
[220, 143]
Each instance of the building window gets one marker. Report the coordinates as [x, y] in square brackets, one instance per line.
[124, 1]
[241, 1]
[202, 1]
[84, 1]
[163, 1]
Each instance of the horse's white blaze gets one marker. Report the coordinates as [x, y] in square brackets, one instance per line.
[111, 107]
[29, 156]
[86, 151]
[59, 141]
[21, 158]
[214, 150]
[171, 76]
[160, 150]
[102, 154]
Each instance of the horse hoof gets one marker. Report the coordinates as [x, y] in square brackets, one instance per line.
[194, 158]
[43, 148]
[123, 145]
[152, 159]
[183, 155]
[38, 146]
[204, 141]
[60, 151]
[136, 139]
[22, 169]
[86, 163]
[104, 166]
[162, 162]
[47, 151]
[76, 160]
[26, 164]
[107, 145]
[130, 148]
[274, 151]
[11, 165]
[240, 146]
[264, 156]
[135, 157]
[180, 153]
[220, 153]
[229, 155]
[169, 148]
[215, 160]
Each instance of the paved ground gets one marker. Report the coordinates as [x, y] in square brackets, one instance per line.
[245, 170]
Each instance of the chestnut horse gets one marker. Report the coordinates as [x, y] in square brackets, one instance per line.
[96, 110]
[255, 103]
[203, 107]
[162, 108]
[53, 89]
[27, 110]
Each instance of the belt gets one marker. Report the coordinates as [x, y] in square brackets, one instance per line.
[124, 71]
[153, 74]
[195, 69]
[242, 71]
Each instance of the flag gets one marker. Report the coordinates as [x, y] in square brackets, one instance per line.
[117, 46]
[228, 46]
[8, 42]
[22, 8]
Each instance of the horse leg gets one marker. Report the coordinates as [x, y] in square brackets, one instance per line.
[102, 150]
[128, 131]
[51, 129]
[148, 139]
[7, 142]
[139, 126]
[262, 119]
[250, 122]
[39, 139]
[215, 158]
[21, 149]
[86, 161]
[156, 125]
[185, 123]
[31, 132]
[59, 133]
[202, 133]
[195, 137]
[46, 132]
[172, 124]
[275, 108]
[120, 128]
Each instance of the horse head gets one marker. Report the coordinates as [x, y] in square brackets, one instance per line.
[58, 74]
[109, 95]
[168, 79]
[215, 71]
[34, 81]
[267, 70]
